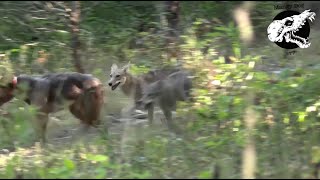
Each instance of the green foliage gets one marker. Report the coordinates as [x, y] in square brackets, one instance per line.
[6, 70]
[17, 129]
[59, 165]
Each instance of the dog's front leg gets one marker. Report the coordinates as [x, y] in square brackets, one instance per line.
[40, 123]
[171, 125]
[38, 98]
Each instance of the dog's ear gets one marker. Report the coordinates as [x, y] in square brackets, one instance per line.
[114, 67]
[126, 67]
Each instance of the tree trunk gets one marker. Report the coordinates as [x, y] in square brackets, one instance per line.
[163, 23]
[249, 154]
[75, 40]
[172, 16]
[241, 16]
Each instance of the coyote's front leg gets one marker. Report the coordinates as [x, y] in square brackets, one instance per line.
[128, 111]
[150, 114]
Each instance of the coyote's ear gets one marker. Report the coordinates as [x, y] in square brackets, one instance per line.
[150, 75]
[114, 67]
[126, 67]
[153, 73]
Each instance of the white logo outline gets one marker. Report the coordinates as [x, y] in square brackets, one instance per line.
[284, 29]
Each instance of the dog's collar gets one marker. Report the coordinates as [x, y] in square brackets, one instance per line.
[14, 82]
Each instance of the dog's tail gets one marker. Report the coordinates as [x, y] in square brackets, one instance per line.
[92, 101]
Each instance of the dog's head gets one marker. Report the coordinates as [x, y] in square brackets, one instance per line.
[149, 94]
[6, 91]
[118, 76]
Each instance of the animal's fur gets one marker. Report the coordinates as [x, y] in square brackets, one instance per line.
[166, 93]
[132, 85]
[82, 93]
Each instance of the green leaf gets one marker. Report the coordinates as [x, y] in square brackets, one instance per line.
[286, 119]
[237, 52]
[302, 116]
[69, 164]
[205, 175]
[221, 28]
[98, 158]
[15, 50]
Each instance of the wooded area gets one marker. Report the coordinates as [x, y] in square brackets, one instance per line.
[255, 109]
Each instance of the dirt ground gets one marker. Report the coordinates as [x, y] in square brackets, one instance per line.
[63, 128]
